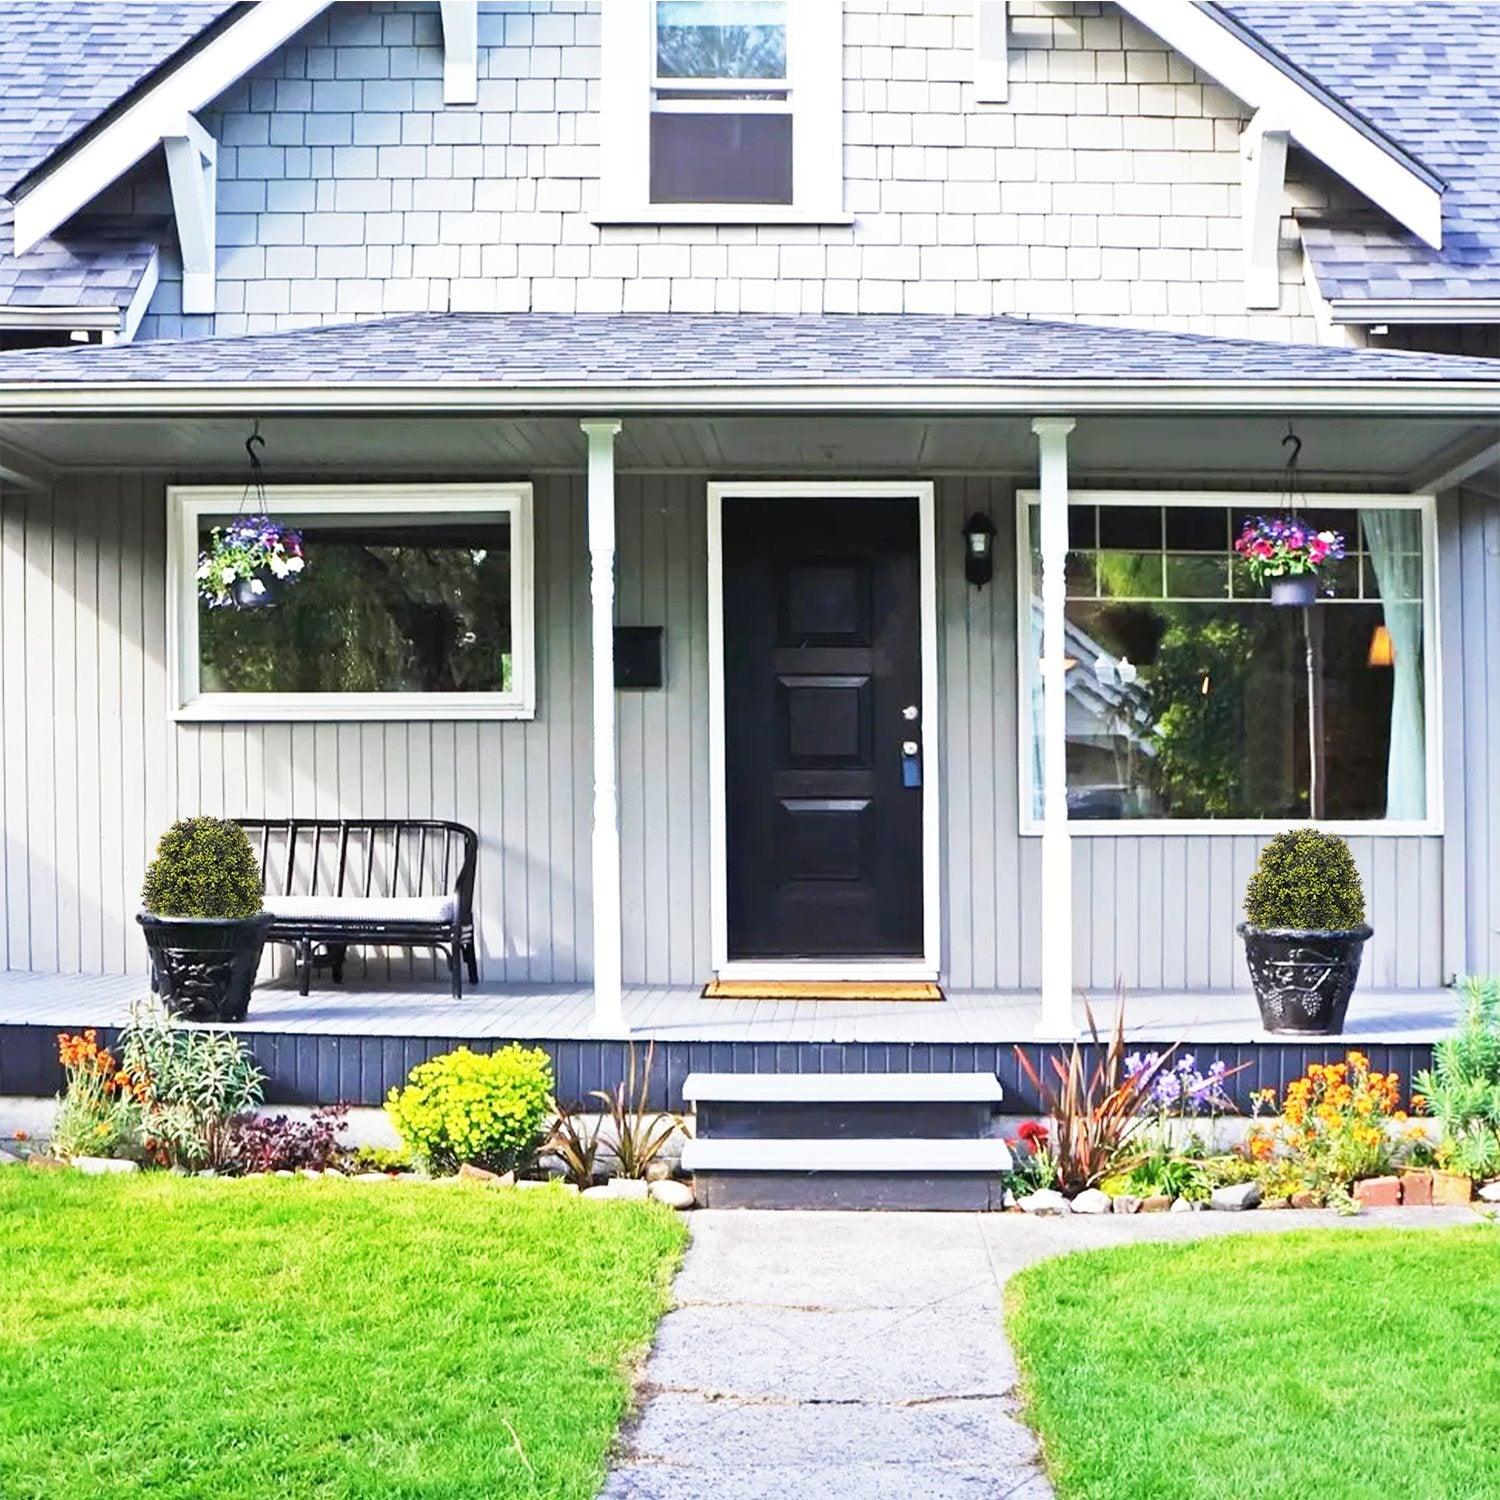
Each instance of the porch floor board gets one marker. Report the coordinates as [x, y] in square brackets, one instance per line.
[679, 1013]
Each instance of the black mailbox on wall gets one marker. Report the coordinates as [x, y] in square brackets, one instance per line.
[638, 656]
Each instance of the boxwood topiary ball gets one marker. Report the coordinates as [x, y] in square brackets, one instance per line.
[204, 867]
[1306, 878]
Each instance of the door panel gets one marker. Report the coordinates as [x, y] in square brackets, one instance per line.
[822, 659]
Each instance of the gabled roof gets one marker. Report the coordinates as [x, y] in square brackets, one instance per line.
[1428, 77]
[99, 266]
[67, 63]
[536, 351]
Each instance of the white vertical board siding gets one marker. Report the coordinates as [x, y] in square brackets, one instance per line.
[92, 767]
[1474, 723]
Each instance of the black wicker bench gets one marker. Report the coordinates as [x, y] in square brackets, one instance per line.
[335, 883]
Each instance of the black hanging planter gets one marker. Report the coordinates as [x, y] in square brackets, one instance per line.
[1302, 976]
[245, 595]
[1295, 591]
[204, 967]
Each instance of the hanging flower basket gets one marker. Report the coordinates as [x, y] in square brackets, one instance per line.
[247, 562]
[1285, 553]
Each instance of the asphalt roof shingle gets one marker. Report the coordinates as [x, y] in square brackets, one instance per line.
[97, 264]
[1427, 76]
[67, 62]
[646, 349]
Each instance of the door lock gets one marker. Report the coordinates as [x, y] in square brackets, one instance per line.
[910, 713]
[908, 747]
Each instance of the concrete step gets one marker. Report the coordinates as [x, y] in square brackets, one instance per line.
[843, 1106]
[871, 1173]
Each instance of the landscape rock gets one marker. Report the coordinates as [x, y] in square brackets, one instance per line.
[370, 1177]
[1275, 1203]
[658, 1171]
[1306, 1199]
[1092, 1201]
[674, 1194]
[629, 1187]
[1416, 1189]
[41, 1162]
[1378, 1192]
[311, 1172]
[1157, 1203]
[1187, 1206]
[1236, 1197]
[1045, 1201]
[1490, 1192]
[1127, 1203]
[104, 1166]
[470, 1173]
[7, 1159]
[283, 1172]
[599, 1190]
[1449, 1188]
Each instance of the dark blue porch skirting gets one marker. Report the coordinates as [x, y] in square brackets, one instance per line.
[360, 1070]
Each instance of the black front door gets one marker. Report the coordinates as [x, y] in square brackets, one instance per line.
[822, 702]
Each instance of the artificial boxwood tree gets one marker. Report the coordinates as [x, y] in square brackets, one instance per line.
[1306, 879]
[204, 867]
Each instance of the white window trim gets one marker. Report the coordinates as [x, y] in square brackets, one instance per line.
[187, 504]
[815, 73]
[1250, 501]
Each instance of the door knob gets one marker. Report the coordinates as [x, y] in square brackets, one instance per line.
[908, 747]
[910, 712]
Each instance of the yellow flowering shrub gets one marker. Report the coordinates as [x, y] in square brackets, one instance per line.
[483, 1108]
[1335, 1122]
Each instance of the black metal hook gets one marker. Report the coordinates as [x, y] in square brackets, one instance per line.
[252, 442]
[1296, 442]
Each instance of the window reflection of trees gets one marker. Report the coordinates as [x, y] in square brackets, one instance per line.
[379, 609]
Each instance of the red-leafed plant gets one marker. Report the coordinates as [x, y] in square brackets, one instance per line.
[1095, 1111]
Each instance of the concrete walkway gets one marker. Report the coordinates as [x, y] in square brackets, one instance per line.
[861, 1356]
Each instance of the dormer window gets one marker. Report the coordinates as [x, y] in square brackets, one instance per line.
[722, 111]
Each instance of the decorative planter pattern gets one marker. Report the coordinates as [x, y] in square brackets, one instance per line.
[204, 967]
[1295, 591]
[1303, 977]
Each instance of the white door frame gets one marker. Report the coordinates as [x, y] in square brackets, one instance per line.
[927, 967]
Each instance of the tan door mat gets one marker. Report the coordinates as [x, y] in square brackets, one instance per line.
[820, 989]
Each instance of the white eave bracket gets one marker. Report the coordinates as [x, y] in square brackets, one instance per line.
[991, 52]
[1313, 120]
[460, 51]
[1262, 191]
[192, 170]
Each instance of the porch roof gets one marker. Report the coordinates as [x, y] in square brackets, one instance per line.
[506, 359]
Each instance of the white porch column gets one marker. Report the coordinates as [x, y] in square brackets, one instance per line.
[1057, 852]
[608, 1012]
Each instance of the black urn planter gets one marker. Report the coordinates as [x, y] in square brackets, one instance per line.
[1303, 976]
[204, 967]
[245, 595]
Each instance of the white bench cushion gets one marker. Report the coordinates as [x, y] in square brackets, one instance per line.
[363, 908]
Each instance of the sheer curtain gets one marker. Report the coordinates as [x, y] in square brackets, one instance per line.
[1394, 538]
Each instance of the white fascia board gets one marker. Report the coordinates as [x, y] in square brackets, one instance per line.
[1411, 196]
[1416, 310]
[1476, 398]
[60, 190]
[51, 319]
[460, 51]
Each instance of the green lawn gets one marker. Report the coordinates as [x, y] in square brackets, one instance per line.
[166, 1337]
[1323, 1363]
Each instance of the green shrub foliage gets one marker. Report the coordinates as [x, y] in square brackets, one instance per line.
[1305, 879]
[204, 867]
[483, 1108]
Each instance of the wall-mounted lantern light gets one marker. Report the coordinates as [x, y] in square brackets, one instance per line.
[979, 549]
